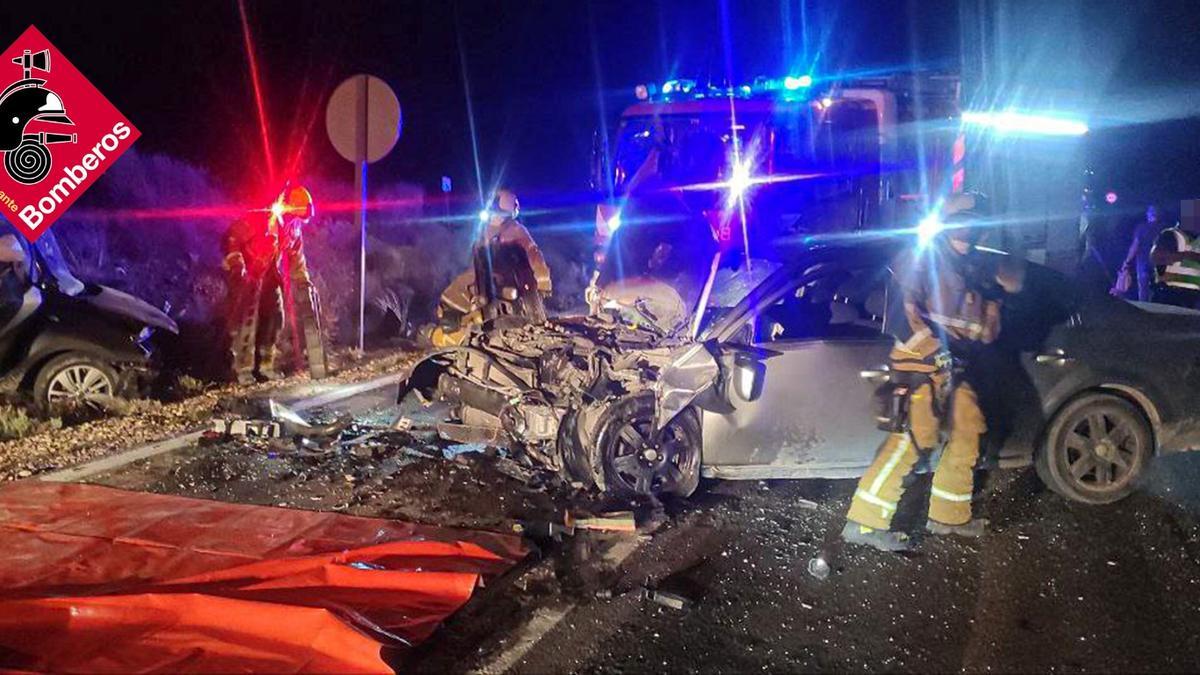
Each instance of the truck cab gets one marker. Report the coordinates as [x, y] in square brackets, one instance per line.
[791, 156]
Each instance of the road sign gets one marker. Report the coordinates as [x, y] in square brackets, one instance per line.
[363, 122]
[363, 119]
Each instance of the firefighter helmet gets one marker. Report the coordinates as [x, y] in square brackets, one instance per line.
[506, 204]
[296, 202]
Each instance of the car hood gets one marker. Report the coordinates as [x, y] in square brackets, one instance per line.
[125, 305]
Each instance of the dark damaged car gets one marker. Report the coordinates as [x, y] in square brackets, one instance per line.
[1087, 388]
[66, 342]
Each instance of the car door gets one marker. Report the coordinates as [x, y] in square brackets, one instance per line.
[815, 415]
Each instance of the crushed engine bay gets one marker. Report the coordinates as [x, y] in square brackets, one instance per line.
[546, 386]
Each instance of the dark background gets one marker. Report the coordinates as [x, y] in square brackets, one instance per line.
[544, 74]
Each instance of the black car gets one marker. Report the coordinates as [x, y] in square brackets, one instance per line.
[66, 342]
[1086, 387]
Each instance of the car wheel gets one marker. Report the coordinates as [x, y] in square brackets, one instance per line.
[1095, 450]
[74, 379]
[638, 462]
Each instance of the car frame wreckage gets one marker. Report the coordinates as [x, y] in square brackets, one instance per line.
[615, 402]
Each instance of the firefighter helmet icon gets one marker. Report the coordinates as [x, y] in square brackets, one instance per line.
[26, 157]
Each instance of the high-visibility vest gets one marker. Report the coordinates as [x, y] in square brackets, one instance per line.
[1185, 273]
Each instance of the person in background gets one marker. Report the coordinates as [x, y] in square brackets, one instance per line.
[1135, 279]
[462, 302]
[1176, 254]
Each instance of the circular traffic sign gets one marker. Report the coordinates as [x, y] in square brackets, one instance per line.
[363, 118]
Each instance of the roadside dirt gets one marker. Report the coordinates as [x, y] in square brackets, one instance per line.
[152, 421]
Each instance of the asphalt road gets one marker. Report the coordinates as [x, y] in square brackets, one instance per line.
[1053, 586]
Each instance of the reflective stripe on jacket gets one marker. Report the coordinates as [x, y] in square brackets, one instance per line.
[1185, 273]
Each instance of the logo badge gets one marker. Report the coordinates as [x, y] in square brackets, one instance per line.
[57, 134]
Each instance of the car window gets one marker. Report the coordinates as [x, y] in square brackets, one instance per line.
[834, 303]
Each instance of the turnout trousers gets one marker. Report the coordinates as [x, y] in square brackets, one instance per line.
[879, 490]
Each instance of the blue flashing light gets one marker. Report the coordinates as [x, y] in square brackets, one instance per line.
[614, 222]
[678, 87]
[484, 215]
[792, 83]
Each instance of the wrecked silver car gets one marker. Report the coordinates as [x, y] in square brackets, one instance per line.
[771, 386]
[624, 402]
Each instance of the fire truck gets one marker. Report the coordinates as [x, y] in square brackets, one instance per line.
[797, 155]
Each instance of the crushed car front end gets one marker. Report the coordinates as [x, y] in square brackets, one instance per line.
[575, 395]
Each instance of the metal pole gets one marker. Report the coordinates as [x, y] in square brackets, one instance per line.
[360, 187]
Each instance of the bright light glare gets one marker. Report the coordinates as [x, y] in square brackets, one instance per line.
[740, 180]
[1014, 122]
[928, 228]
[277, 209]
[484, 215]
[1111, 198]
[614, 223]
[792, 83]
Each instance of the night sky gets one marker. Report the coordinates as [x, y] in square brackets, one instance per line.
[540, 73]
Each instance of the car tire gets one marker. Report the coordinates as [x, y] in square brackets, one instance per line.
[74, 376]
[640, 463]
[1096, 449]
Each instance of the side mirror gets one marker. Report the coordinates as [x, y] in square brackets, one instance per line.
[878, 376]
[748, 375]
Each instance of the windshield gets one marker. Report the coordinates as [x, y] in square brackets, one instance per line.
[54, 263]
[678, 150]
[697, 149]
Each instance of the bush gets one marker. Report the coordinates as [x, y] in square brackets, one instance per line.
[16, 423]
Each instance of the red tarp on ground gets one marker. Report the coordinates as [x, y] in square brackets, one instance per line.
[102, 580]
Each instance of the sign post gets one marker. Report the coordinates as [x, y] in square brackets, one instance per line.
[363, 121]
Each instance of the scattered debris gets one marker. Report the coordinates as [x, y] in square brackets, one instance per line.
[462, 433]
[513, 469]
[249, 428]
[542, 529]
[672, 600]
[818, 567]
[617, 521]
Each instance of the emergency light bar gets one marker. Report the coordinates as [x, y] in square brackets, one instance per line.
[787, 87]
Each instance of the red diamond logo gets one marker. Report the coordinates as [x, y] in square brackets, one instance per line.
[57, 134]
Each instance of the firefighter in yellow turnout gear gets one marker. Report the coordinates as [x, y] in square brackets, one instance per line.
[460, 305]
[952, 295]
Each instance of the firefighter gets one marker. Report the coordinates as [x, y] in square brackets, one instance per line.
[1176, 255]
[264, 260]
[461, 304]
[952, 295]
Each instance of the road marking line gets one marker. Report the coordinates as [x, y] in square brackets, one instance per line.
[104, 464]
[545, 619]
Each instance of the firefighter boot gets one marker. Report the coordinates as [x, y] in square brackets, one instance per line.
[974, 528]
[266, 364]
[884, 540]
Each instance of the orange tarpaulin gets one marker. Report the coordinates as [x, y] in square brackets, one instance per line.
[102, 580]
